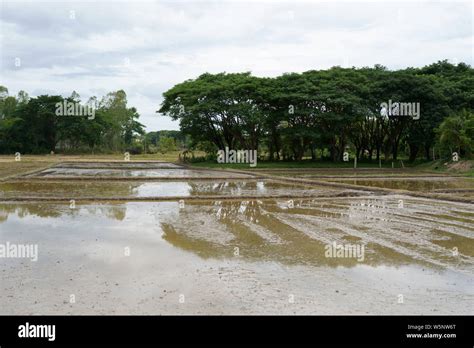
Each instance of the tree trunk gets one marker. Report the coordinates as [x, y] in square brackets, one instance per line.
[413, 152]
[427, 152]
[313, 153]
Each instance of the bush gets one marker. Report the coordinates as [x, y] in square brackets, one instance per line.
[166, 144]
[456, 133]
[135, 149]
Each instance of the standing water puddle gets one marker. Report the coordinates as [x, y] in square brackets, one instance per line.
[418, 184]
[241, 256]
[131, 189]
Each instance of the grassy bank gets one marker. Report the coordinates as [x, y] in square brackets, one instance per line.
[9, 167]
[303, 164]
[442, 167]
[465, 167]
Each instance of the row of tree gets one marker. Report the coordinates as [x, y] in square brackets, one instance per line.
[329, 112]
[33, 125]
[292, 116]
[164, 141]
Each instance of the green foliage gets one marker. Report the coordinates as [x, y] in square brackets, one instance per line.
[295, 116]
[153, 138]
[31, 125]
[166, 144]
[456, 133]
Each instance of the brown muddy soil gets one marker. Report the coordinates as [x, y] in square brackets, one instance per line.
[126, 173]
[246, 246]
[128, 191]
[425, 184]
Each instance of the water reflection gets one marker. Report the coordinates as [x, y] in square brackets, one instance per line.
[117, 173]
[78, 189]
[273, 231]
[110, 211]
[288, 232]
[421, 184]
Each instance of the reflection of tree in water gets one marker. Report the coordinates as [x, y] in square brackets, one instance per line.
[69, 189]
[416, 184]
[115, 212]
[372, 210]
[3, 216]
[24, 210]
[258, 233]
[234, 188]
[248, 210]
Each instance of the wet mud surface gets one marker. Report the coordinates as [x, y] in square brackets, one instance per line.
[261, 255]
[129, 190]
[126, 173]
[433, 184]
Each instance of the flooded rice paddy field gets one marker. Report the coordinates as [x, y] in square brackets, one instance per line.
[118, 165]
[60, 172]
[261, 252]
[433, 184]
[347, 172]
[132, 189]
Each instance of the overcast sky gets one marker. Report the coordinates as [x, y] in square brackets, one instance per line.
[146, 47]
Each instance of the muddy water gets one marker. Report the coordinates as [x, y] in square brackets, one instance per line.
[124, 173]
[80, 189]
[347, 173]
[118, 165]
[237, 257]
[259, 256]
[418, 184]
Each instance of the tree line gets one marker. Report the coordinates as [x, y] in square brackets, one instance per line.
[324, 113]
[34, 125]
[314, 114]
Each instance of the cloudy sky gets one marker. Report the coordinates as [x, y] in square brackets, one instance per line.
[146, 47]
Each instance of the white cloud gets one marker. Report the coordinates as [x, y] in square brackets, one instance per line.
[145, 47]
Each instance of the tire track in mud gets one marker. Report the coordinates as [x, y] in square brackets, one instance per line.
[386, 236]
[405, 233]
[388, 240]
[273, 236]
[310, 182]
[394, 212]
[465, 228]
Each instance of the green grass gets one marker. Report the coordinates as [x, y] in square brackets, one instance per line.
[12, 168]
[172, 156]
[302, 164]
[31, 162]
[465, 167]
